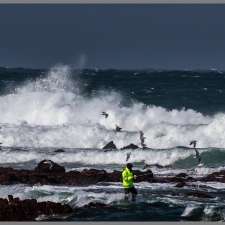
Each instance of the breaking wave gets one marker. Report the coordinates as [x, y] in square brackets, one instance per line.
[52, 111]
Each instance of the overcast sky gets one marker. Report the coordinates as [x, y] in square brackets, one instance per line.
[113, 36]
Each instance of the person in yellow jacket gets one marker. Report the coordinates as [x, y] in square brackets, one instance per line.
[128, 182]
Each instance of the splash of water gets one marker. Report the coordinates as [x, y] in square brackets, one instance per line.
[52, 112]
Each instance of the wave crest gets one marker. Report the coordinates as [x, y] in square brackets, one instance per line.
[52, 112]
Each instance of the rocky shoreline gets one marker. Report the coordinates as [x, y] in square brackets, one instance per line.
[49, 173]
[14, 209]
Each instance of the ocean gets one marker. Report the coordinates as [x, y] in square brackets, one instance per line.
[61, 108]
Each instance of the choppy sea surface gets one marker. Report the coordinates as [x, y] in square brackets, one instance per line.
[60, 108]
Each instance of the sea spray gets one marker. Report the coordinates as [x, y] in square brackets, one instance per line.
[52, 111]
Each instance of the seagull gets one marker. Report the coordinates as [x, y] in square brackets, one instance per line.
[142, 138]
[118, 129]
[105, 114]
[194, 143]
[128, 156]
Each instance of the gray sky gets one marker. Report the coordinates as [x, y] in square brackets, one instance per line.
[113, 36]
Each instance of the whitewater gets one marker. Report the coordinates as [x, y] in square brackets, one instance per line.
[57, 115]
[52, 112]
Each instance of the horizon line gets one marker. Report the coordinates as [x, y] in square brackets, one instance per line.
[111, 68]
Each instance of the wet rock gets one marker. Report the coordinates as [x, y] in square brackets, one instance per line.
[97, 205]
[155, 165]
[50, 173]
[181, 175]
[10, 197]
[180, 184]
[59, 151]
[145, 178]
[130, 146]
[216, 176]
[48, 166]
[110, 145]
[14, 209]
[43, 175]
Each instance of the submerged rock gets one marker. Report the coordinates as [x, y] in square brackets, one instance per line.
[59, 151]
[14, 209]
[110, 145]
[130, 146]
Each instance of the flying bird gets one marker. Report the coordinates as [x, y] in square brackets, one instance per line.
[105, 114]
[118, 129]
[197, 154]
[142, 138]
[128, 156]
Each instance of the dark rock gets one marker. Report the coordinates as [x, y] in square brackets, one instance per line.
[50, 173]
[182, 175]
[59, 150]
[86, 177]
[10, 197]
[180, 184]
[29, 209]
[130, 146]
[216, 176]
[143, 176]
[110, 145]
[155, 165]
[48, 166]
[97, 205]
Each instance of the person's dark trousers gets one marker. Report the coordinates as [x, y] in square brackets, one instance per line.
[132, 191]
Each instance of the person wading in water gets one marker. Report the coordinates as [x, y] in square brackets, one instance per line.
[128, 182]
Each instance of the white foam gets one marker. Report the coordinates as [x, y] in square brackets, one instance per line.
[52, 112]
[83, 198]
[213, 211]
[190, 210]
[215, 185]
[89, 157]
[112, 193]
[77, 196]
[201, 171]
[209, 210]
